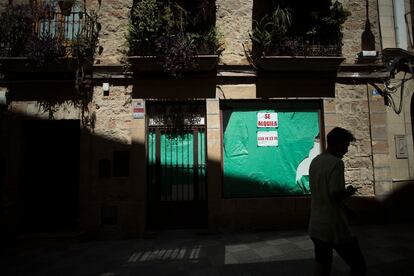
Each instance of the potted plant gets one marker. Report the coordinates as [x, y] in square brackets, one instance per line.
[164, 36]
[297, 30]
[271, 29]
[15, 27]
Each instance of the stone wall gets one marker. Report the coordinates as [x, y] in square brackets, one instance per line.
[398, 124]
[234, 21]
[114, 130]
[113, 16]
[350, 110]
[113, 113]
[355, 25]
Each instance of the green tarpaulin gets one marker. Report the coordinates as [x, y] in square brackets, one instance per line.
[252, 170]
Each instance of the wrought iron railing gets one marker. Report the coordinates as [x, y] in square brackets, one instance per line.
[64, 27]
[66, 31]
[299, 47]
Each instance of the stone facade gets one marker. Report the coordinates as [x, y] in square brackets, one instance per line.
[350, 110]
[355, 25]
[370, 163]
[113, 113]
[114, 17]
[234, 20]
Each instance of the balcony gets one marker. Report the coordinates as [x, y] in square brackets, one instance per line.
[173, 38]
[297, 47]
[298, 30]
[42, 39]
[297, 55]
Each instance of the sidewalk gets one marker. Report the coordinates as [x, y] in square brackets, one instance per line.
[389, 250]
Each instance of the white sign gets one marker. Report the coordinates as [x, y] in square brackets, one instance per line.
[266, 119]
[401, 149]
[138, 109]
[267, 139]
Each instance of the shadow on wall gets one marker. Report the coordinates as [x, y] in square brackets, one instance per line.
[42, 159]
[148, 87]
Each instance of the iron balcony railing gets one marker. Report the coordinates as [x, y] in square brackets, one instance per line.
[300, 47]
[65, 31]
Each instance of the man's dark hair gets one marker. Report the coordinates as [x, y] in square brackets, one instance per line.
[339, 134]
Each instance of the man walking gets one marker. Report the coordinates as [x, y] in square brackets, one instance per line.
[328, 227]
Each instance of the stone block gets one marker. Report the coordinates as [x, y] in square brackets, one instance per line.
[352, 175]
[379, 133]
[379, 119]
[213, 106]
[361, 162]
[380, 147]
[239, 91]
[343, 107]
[329, 106]
[377, 105]
[381, 160]
[213, 121]
[331, 119]
[382, 173]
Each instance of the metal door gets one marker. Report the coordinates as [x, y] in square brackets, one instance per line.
[176, 167]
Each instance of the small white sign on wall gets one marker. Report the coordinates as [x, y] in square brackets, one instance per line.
[267, 139]
[401, 149]
[267, 119]
[138, 107]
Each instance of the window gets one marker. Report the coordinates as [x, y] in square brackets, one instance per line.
[56, 22]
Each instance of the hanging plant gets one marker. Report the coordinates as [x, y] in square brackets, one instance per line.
[85, 47]
[176, 53]
[22, 37]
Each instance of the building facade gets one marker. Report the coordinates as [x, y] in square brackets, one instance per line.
[224, 146]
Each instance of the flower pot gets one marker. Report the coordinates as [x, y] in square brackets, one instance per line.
[66, 6]
[300, 63]
[150, 63]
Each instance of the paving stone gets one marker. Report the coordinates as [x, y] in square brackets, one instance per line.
[388, 249]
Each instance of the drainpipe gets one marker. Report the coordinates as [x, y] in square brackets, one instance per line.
[399, 24]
